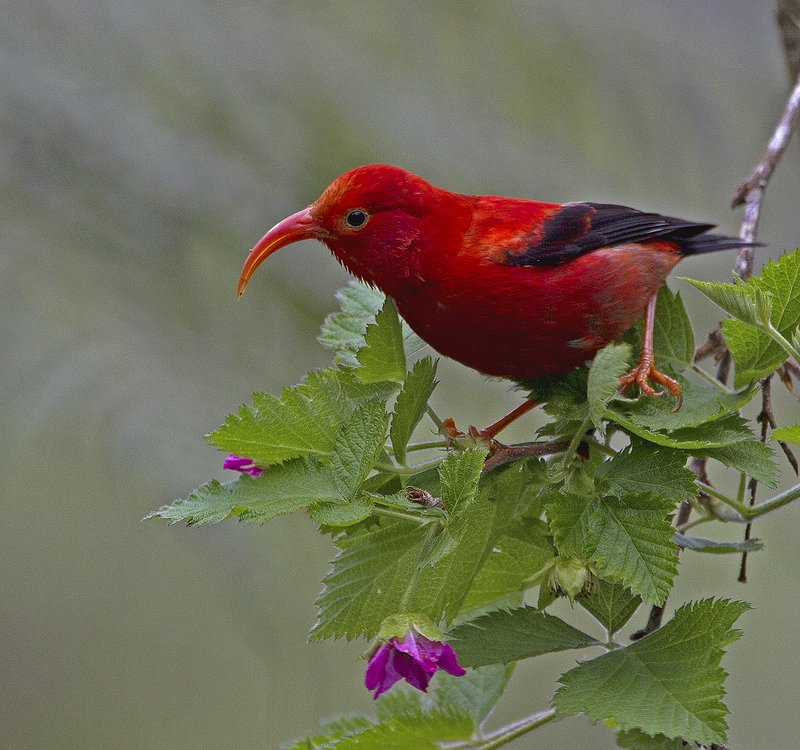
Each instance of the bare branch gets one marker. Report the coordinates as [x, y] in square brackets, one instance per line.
[751, 192]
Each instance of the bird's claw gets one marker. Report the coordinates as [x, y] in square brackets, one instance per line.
[473, 436]
[645, 371]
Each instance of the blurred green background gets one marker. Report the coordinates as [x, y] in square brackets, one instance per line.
[144, 147]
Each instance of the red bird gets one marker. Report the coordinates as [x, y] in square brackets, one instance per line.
[510, 287]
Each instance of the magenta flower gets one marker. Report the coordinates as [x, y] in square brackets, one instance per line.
[414, 659]
[238, 463]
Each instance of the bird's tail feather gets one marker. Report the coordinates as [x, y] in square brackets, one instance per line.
[710, 243]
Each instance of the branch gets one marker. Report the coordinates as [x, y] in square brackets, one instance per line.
[751, 192]
[788, 17]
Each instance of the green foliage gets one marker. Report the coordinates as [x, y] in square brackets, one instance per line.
[382, 357]
[509, 635]
[603, 382]
[669, 683]
[282, 489]
[787, 434]
[766, 312]
[412, 401]
[446, 542]
[611, 604]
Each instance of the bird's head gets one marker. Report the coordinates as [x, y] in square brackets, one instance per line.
[378, 220]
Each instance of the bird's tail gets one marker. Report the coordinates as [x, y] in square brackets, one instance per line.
[710, 243]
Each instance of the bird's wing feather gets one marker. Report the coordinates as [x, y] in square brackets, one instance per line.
[579, 228]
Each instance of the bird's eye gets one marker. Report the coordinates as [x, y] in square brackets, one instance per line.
[356, 219]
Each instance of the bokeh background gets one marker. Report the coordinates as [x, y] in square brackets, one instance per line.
[144, 147]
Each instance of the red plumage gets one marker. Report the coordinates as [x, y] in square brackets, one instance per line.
[510, 287]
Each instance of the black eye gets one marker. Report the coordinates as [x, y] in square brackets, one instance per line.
[356, 218]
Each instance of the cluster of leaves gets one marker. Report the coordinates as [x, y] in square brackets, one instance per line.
[468, 548]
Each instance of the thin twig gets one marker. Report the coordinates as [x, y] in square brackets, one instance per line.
[751, 192]
[766, 419]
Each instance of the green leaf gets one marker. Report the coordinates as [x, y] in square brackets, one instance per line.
[303, 422]
[369, 579]
[357, 447]
[607, 366]
[377, 573]
[383, 357]
[634, 739]
[634, 546]
[340, 514]
[754, 352]
[750, 456]
[412, 401]
[476, 693]
[701, 405]
[738, 299]
[344, 331]
[515, 563]
[787, 434]
[280, 489]
[645, 468]
[717, 548]
[673, 340]
[611, 604]
[509, 635]
[716, 434]
[669, 683]
[571, 519]
[477, 520]
[411, 731]
[629, 542]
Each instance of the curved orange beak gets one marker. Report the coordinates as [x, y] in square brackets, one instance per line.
[299, 226]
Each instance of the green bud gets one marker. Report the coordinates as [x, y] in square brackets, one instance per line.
[570, 577]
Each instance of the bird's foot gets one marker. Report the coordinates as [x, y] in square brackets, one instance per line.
[645, 371]
[473, 437]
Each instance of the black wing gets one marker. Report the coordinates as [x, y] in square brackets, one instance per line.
[580, 228]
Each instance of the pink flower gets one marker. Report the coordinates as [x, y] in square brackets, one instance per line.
[414, 659]
[238, 463]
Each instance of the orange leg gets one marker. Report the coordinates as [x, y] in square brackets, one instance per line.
[646, 370]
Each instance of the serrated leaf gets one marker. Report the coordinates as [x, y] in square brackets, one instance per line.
[754, 352]
[303, 422]
[357, 447]
[280, 489]
[634, 546]
[673, 340]
[369, 579]
[669, 682]
[716, 548]
[412, 401]
[375, 574]
[629, 542]
[611, 604]
[787, 434]
[476, 693]
[717, 434]
[342, 513]
[750, 456]
[736, 299]
[383, 358]
[603, 384]
[509, 635]
[411, 731]
[515, 563]
[344, 331]
[701, 405]
[571, 524]
[645, 468]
